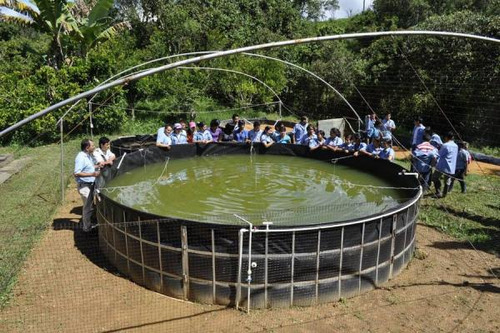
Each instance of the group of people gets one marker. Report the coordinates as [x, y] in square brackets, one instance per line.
[302, 133]
[88, 163]
[434, 159]
[450, 160]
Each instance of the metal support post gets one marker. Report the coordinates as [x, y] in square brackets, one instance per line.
[62, 160]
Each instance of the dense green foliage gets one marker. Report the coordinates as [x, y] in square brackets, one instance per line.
[408, 76]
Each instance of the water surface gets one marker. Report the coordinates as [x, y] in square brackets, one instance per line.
[283, 189]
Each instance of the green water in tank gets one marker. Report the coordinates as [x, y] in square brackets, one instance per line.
[284, 190]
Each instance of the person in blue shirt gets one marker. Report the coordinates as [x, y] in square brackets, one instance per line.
[373, 149]
[240, 134]
[255, 133]
[85, 172]
[424, 158]
[418, 133]
[348, 143]
[283, 137]
[311, 139]
[161, 130]
[334, 142]
[178, 137]
[265, 137]
[446, 165]
[387, 153]
[299, 131]
[388, 124]
[370, 125]
[463, 160]
[203, 135]
[164, 140]
[357, 145]
[435, 138]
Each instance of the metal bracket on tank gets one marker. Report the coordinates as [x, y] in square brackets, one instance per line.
[404, 173]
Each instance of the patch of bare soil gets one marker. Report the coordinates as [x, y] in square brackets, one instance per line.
[67, 286]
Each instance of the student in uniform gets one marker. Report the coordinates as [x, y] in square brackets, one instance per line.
[240, 134]
[334, 142]
[424, 158]
[373, 149]
[311, 139]
[283, 137]
[357, 146]
[164, 140]
[388, 124]
[265, 137]
[255, 133]
[446, 165]
[85, 172]
[387, 153]
[203, 135]
[299, 131]
[277, 129]
[369, 125]
[348, 143]
[418, 133]
[463, 160]
[103, 154]
[435, 138]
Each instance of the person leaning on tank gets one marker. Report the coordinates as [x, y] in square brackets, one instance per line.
[85, 172]
[164, 138]
[103, 154]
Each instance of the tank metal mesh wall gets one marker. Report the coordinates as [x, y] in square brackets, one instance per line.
[289, 266]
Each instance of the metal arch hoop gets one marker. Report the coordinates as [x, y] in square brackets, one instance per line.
[210, 52]
[236, 72]
[236, 51]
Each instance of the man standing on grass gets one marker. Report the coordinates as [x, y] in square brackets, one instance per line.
[446, 165]
[86, 169]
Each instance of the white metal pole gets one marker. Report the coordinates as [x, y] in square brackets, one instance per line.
[62, 160]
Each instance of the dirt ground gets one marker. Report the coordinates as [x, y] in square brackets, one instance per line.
[67, 286]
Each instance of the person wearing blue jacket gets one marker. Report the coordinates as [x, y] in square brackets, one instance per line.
[446, 165]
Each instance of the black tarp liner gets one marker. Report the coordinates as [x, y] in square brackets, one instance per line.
[298, 267]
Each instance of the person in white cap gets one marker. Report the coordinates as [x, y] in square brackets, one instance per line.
[178, 137]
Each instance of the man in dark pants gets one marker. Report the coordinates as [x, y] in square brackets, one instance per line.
[86, 169]
[446, 165]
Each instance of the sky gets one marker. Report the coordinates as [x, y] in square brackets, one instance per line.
[356, 6]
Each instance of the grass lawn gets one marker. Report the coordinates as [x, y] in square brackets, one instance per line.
[30, 198]
[28, 202]
[471, 217]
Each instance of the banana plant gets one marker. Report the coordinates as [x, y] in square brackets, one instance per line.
[97, 27]
[47, 16]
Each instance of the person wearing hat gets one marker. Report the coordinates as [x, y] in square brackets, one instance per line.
[191, 132]
[203, 135]
[178, 137]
